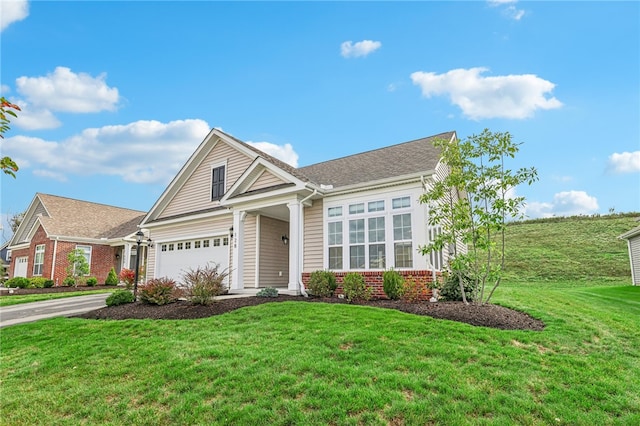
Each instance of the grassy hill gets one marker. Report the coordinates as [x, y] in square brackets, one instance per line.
[571, 248]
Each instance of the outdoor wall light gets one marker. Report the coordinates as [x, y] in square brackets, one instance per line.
[285, 240]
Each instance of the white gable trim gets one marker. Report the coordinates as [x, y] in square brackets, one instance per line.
[249, 177]
[205, 147]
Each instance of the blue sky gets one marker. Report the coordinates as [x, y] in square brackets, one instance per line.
[115, 96]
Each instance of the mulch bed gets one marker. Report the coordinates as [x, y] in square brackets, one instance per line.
[488, 315]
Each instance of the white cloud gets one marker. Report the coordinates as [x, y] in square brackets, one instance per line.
[567, 203]
[362, 48]
[140, 152]
[281, 152]
[12, 11]
[4, 89]
[509, 10]
[34, 118]
[626, 162]
[509, 96]
[64, 90]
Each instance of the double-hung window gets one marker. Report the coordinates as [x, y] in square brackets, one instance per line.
[335, 238]
[38, 260]
[86, 252]
[402, 239]
[217, 183]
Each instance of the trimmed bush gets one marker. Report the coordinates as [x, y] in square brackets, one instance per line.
[159, 291]
[112, 278]
[48, 283]
[17, 282]
[450, 289]
[392, 284]
[354, 287]
[119, 297]
[202, 284]
[322, 283]
[268, 292]
[37, 282]
[69, 281]
[92, 281]
[414, 291]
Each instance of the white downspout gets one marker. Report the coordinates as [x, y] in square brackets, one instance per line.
[303, 291]
[434, 276]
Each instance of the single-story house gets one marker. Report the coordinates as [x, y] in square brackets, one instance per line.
[633, 242]
[54, 226]
[271, 225]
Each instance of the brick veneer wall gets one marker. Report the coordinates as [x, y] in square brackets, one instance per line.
[374, 279]
[102, 258]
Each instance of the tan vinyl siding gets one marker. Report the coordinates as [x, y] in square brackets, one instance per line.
[313, 237]
[38, 210]
[634, 254]
[274, 255]
[249, 259]
[195, 194]
[266, 180]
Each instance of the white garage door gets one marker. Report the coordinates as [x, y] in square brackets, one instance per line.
[21, 266]
[177, 257]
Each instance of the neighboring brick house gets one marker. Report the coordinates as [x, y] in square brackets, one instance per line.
[54, 226]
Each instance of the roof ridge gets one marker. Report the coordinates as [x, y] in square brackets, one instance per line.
[38, 194]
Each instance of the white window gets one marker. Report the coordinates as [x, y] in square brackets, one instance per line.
[196, 244]
[179, 246]
[370, 236]
[356, 208]
[163, 247]
[335, 245]
[216, 242]
[86, 251]
[170, 246]
[187, 245]
[38, 260]
[402, 246]
[205, 243]
[225, 241]
[335, 211]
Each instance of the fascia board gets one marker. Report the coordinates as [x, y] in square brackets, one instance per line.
[630, 234]
[270, 198]
[382, 183]
[27, 217]
[182, 219]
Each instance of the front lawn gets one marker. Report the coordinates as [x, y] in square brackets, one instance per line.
[312, 363]
[27, 298]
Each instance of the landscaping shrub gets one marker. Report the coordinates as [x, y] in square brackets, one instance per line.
[92, 281]
[322, 283]
[112, 278]
[354, 287]
[48, 283]
[414, 291]
[69, 281]
[202, 284]
[17, 282]
[268, 292]
[36, 282]
[128, 276]
[119, 297]
[450, 289]
[159, 291]
[392, 284]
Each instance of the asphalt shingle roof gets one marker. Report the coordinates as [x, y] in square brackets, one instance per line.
[396, 160]
[76, 218]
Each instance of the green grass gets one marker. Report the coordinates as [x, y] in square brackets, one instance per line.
[27, 298]
[304, 363]
[573, 248]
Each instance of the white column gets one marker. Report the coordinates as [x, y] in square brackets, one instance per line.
[237, 243]
[295, 245]
[125, 261]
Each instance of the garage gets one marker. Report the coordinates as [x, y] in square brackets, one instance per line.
[21, 266]
[177, 257]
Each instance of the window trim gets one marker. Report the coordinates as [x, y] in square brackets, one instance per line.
[35, 259]
[81, 247]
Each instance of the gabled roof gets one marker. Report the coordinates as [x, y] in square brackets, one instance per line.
[630, 234]
[68, 217]
[396, 160]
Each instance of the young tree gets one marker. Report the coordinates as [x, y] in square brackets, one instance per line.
[78, 267]
[472, 205]
[7, 165]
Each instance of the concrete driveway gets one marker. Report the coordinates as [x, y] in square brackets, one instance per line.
[65, 307]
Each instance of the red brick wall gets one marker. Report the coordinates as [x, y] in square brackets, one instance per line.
[102, 258]
[374, 279]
